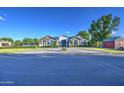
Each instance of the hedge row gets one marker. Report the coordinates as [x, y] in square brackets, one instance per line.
[28, 47]
[48, 46]
[18, 47]
[36, 47]
[79, 46]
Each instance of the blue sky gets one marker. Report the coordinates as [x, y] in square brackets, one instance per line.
[19, 23]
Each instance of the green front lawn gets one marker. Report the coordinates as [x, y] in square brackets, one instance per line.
[106, 50]
[14, 50]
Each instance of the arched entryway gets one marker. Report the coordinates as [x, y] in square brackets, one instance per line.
[44, 42]
[75, 42]
[63, 43]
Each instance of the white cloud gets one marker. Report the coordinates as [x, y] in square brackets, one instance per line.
[114, 33]
[2, 18]
[67, 32]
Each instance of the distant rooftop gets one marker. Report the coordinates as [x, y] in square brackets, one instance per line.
[112, 38]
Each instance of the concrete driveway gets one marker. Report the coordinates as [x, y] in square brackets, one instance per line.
[83, 51]
[58, 50]
[61, 70]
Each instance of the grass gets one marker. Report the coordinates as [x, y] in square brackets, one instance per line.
[15, 50]
[113, 51]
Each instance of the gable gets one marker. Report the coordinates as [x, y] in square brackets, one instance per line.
[77, 38]
[47, 38]
[63, 38]
[119, 39]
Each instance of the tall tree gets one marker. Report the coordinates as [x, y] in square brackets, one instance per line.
[93, 33]
[103, 27]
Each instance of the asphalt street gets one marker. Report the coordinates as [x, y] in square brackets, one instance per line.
[61, 70]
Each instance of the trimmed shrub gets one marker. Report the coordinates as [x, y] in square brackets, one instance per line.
[79, 46]
[18, 47]
[49, 47]
[63, 49]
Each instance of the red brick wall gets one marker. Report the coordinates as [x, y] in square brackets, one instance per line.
[109, 44]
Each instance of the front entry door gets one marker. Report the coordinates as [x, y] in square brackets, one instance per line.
[63, 43]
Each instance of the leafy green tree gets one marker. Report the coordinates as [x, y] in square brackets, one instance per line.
[30, 41]
[54, 44]
[84, 34]
[103, 27]
[7, 39]
[36, 41]
[93, 33]
[18, 43]
[27, 41]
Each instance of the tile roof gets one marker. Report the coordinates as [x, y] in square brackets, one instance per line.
[77, 37]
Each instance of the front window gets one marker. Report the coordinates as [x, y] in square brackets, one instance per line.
[44, 42]
[48, 42]
[75, 42]
[5, 44]
[84, 42]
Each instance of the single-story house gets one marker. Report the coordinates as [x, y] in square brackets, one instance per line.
[114, 42]
[62, 41]
[77, 40]
[5, 43]
[46, 41]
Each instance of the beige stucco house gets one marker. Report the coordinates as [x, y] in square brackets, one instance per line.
[5, 43]
[77, 40]
[62, 41]
[46, 41]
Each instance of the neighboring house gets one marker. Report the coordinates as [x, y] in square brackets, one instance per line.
[77, 40]
[62, 41]
[5, 43]
[46, 41]
[114, 42]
